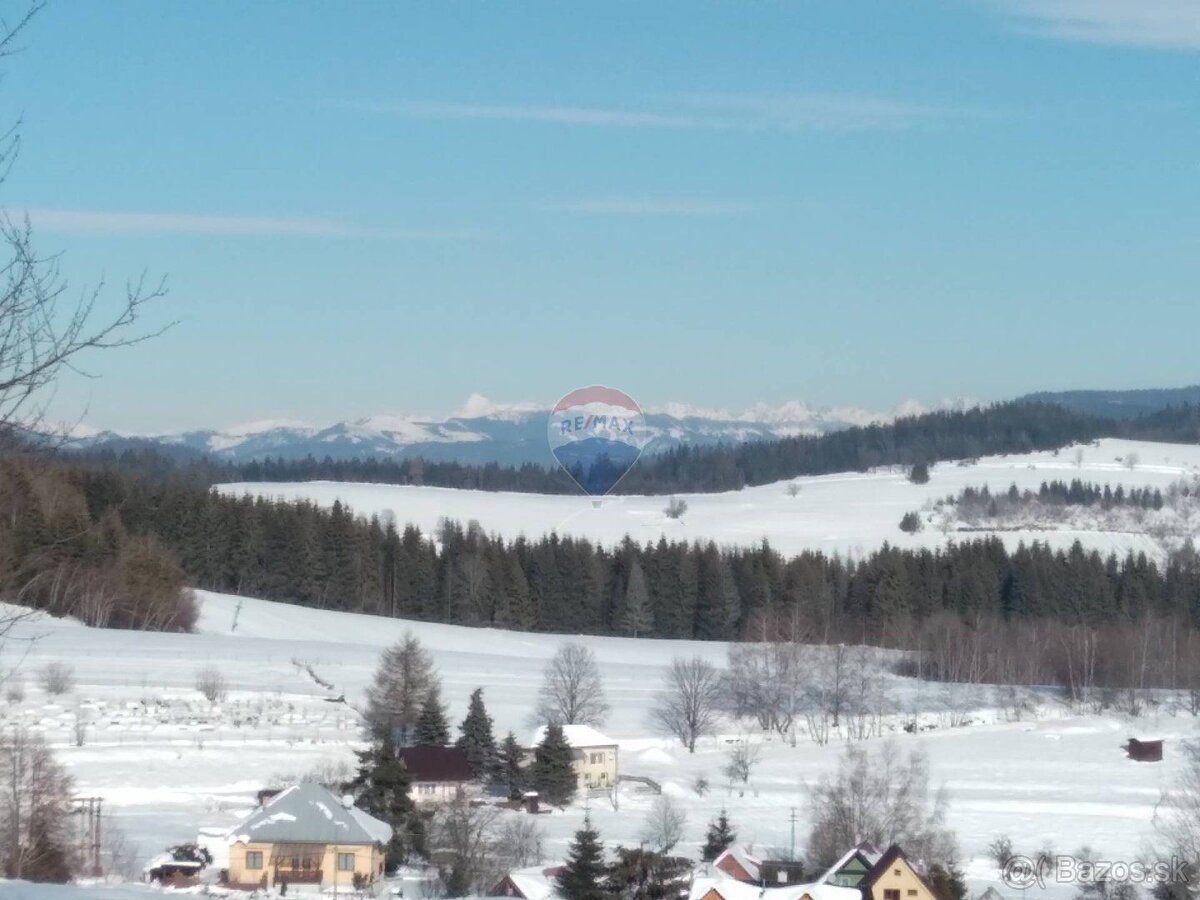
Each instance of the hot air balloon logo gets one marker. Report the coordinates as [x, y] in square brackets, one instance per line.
[596, 433]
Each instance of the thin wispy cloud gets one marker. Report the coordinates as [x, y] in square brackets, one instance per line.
[1167, 24]
[553, 115]
[788, 112]
[819, 112]
[102, 222]
[643, 206]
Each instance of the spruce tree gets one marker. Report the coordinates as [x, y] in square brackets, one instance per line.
[432, 729]
[582, 877]
[381, 787]
[510, 773]
[476, 739]
[635, 617]
[552, 773]
[718, 839]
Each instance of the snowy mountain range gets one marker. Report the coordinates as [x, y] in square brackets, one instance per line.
[483, 431]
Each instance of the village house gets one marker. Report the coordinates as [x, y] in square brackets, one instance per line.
[593, 755]
[532, 883]
[852, 868]
[739, 864]
[307, 837]
[893, 877]
[863, 873]
[439, 774]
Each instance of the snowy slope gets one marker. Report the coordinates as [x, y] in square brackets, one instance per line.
[167, 761]
[845, 513]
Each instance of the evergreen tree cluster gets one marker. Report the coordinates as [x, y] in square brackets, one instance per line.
[64, 554]
[381, 787]
[1059, 493]
[300, 553]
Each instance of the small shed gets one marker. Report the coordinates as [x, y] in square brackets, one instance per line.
[1144, 751]
[781, 872]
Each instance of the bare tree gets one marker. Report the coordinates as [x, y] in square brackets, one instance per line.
[881, 797]
[462, 836]
[1177, 816]
[743, 757]
[519, 842]
[572, 691]
[1131, 460]
[793, 489]
[688, 705]
[664, 825]
[57, 678]
[676, 507]
[402, 682]
[766, 682]
[868, 697]
[210, 682]
[44, 330]
[35, 810]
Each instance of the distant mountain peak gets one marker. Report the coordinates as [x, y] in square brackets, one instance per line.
[477, 406]
[484, 431]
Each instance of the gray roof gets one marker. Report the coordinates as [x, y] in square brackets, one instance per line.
[309, 813]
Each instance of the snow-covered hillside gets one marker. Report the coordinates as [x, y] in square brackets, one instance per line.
[845, 513]
[167, 761]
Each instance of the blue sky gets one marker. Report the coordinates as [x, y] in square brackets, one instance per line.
[388, 206]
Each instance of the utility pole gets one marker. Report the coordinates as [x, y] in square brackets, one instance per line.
[792, 847]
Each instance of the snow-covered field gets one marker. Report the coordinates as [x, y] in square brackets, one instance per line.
[846, 513]
[166, 761]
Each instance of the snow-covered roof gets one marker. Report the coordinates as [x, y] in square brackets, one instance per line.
[731, 889]
[868, 852]
[577, 736]
[310, 813]
[748, 862]
[536, 882]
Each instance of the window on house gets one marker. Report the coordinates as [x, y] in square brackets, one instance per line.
[891, 894]
[345, 862]
[912, 892]
[253, 859]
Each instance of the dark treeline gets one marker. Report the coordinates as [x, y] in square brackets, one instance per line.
[328, 558]
[62, 553]
[1061, 493]
[116, 549]
[1017, 427]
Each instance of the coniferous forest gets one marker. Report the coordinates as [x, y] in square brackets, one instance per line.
[329, 558]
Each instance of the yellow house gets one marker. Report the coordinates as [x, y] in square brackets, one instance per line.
[593, 755]
[307, 836]
[894, 878]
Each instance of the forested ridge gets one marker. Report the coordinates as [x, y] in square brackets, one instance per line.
[1015, 427]
[155, 534]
